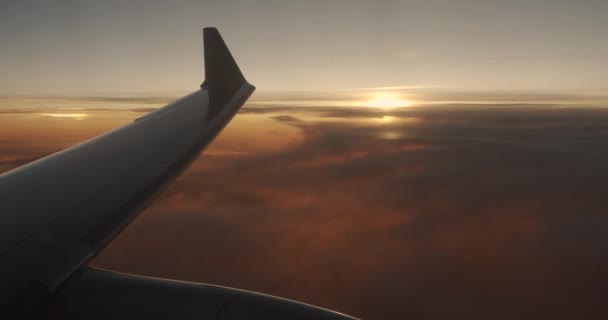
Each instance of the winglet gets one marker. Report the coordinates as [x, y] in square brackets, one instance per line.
[222, 75]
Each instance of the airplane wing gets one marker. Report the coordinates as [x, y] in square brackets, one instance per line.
[58, 212]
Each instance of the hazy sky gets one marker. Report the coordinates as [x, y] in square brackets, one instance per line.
[82, 47]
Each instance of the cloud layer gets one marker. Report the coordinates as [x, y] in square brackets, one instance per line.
[443, 212]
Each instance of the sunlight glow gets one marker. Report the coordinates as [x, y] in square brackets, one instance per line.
[76, 116]
[387, 119]
[387, 100]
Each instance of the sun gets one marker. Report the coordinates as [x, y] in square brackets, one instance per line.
[387, 100]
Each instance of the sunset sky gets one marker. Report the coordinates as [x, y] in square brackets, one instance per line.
[84, 47]
[399, 159]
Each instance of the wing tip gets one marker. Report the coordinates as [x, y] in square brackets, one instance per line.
[223, 77]
[220, 65]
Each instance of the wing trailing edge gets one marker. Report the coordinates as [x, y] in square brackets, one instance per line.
[99, 295]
